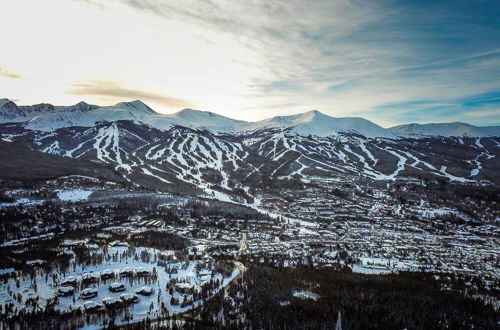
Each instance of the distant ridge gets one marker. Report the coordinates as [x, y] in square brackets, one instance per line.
[445, 129]
[47, 117]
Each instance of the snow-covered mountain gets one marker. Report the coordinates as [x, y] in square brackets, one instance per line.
[231, 166]
[11, 112]
[61, 117]
[444, 129]
[316, 123]
[309, 123]
[196, 119]
[46, 117]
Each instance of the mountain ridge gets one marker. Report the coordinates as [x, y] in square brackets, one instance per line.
[47, 117]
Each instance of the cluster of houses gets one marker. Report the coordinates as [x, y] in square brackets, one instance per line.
[69, 285]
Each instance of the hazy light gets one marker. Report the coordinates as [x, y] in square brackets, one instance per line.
[251, 60]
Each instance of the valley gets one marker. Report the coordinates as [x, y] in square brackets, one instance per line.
[215, 204]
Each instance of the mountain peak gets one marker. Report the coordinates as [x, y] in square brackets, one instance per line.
[4, 102]
[82, 106]
[135, 105]
[189, 110]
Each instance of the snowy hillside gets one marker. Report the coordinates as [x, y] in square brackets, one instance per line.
[196, 119]
[316, 123]
[47, 117]
[444, 129]
[230, 166]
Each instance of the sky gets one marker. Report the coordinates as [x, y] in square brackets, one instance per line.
[388, 61]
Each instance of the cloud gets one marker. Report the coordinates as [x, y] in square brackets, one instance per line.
[477, 109]
[385, 60]
[108, 90]
[8, 74]
[350, 57]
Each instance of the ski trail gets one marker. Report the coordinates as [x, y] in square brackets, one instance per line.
[451, 176]
[401, 164]
[361, 158]
[368, 153]
[478, 143]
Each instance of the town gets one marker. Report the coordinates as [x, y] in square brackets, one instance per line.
[368, 230]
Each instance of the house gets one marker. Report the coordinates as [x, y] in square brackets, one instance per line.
[107, 274]
[111, 302]
[141, 271]
[118, 243]
[69, 281]
[65, 291]
[89, 277]
[36, 262]
[145, 291]
[92, 306]
[126, 272]
[129, 298]
[88, 293]
[186, 288]
[117, 287]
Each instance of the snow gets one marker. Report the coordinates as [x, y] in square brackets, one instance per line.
[22, 201]
[35, 262]
[430, 213]
[477, 142]
[115, 258]
[4, 102]
[445, 129]
[53, 148]
[319, 124]
[368, 153]
[308, 123]
[7, 271]
[370, 270]
[452, 177]
[73, 195]
[305, 294]
[380, 266]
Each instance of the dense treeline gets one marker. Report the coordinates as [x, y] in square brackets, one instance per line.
[160, 240]
[410, 300]
[223, 210]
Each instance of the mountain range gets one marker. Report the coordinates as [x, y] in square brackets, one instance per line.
[46, 117]
[204, 154]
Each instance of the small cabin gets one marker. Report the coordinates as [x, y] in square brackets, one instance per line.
[88, 293]
[141, 271]
[126, 272]
[186, 288]
[69, 281]
[111, 302]
[65, 291]
[129, 298]
[107, 274]
[92, 306]
[145, 291]
[117, 287]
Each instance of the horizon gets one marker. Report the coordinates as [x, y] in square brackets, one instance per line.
[390, 62]
[249, 121]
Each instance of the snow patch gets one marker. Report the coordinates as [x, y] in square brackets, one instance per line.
[73, 195]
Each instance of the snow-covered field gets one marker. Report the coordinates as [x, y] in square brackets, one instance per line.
[380, 266]
[45, 285]
[22, 201]
[73, 195]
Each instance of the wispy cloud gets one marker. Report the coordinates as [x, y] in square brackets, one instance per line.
[107, 90]
[9, 74]
[351, 57]
[253, 59]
